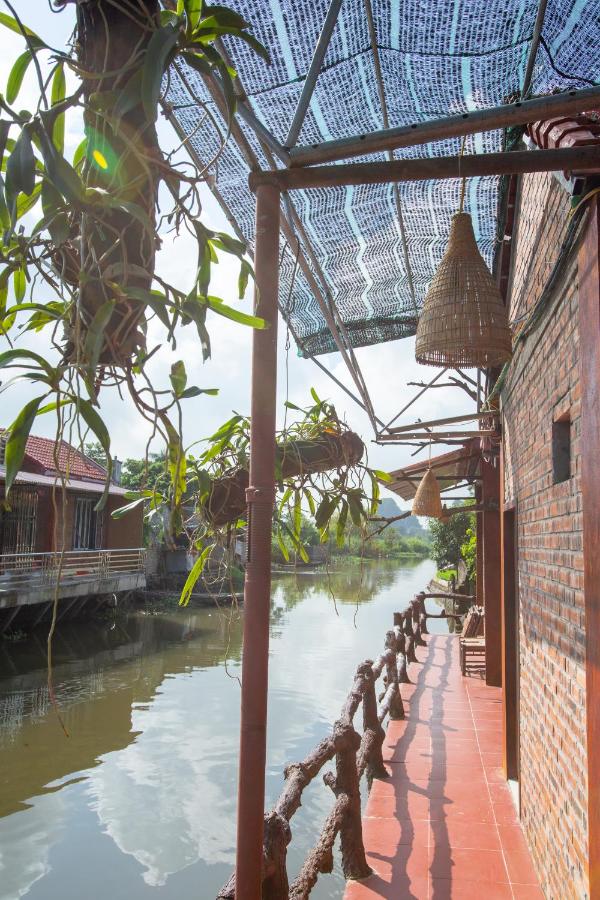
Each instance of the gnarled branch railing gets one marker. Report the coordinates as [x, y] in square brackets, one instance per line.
[355, 755]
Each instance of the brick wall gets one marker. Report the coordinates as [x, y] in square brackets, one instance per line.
[543, 385]
[125, 533]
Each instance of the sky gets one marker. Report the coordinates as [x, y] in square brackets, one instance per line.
[387, 367]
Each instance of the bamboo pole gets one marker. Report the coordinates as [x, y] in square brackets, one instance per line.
[505, 116]
[578, 159]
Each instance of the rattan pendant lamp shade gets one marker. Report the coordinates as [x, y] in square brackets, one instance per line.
[464, 322]
[428, 501]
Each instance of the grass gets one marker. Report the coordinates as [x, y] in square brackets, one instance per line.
[445, 574]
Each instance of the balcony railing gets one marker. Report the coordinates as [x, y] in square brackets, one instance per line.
[20, 571]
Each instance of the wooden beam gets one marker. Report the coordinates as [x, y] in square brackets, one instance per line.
[589, 351]
[449, 420]
[438, 435]
[314, 70]
[577, 159]
[491, 572]
[505, 116]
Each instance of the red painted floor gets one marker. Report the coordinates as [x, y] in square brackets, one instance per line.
[444, 824]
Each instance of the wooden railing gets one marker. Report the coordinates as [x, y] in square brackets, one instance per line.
[354, 755]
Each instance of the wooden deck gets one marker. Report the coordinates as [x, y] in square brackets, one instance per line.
[444, 824]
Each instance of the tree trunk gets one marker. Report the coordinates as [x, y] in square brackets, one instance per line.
[116, 250]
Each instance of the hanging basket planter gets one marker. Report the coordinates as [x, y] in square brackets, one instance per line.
[428, 501]
[464, 322]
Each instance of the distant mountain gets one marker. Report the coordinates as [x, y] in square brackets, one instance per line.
[409, 527]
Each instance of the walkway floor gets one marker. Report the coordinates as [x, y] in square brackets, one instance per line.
[445, 825]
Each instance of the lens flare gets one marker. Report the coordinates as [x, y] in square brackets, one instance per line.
[100, 159]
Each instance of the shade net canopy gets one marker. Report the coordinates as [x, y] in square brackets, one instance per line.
[438, 58]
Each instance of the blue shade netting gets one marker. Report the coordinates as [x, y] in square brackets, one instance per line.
[438, 58]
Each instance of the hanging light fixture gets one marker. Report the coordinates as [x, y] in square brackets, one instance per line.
[428, 501]
[464, 322]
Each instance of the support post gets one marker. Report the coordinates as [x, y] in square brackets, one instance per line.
[257, 588]
[479, 548]
[589, 338]
[492, 573]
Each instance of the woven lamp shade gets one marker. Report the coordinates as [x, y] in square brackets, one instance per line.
[428, 501]
[464, 322]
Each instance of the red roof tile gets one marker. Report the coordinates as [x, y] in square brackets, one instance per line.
[40, 452]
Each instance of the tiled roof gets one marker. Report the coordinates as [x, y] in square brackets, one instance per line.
[40, 451]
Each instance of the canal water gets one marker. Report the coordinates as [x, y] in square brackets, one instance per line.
[139, 800]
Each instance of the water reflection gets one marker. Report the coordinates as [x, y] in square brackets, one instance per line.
[140, 797]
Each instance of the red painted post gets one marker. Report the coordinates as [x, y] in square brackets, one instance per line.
[491, 573]
[257, 588]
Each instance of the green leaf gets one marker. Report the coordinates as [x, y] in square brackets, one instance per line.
[11, 23]
[25, 203]
[198, 62]
[315, 396]
[53, 206]
[130, 96]
[10, 356]
[19, 284]
[155, 63]
[341, 524]
[80, 153]
[229, 312]
[17, 73]
[297, 513]
[4, 213]
[195, 573]
[382, 476]
[156, 300]
[178, 378]
[356, 510]
[196, 391]
[222, 16]
[4, 276]
[18, 434]
[95, 334]
[245, 272]
[20, 170]
[59, 90]
[310, 500]
[177, 463]
[193, 11]
[123, 510]
[282, 547]
[229, 93]
[93, 421]
[63, 176]
[324, 511]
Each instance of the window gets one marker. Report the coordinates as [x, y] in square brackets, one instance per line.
[87, 525]
[18, 521]
[561, 449]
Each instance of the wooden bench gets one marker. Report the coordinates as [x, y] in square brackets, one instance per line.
[472, 642]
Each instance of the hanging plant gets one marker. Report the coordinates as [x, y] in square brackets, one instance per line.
[88, 265]
[319, 470]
